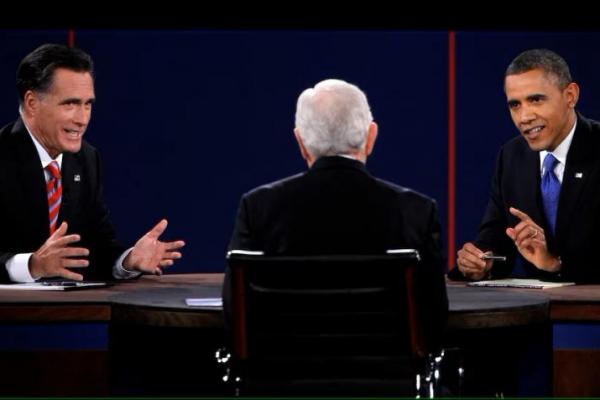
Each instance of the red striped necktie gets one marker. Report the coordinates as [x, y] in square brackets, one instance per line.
[54, 189]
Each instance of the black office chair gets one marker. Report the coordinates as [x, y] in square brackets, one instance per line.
[335, 325]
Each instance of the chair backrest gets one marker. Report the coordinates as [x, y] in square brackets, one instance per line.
[326, 325]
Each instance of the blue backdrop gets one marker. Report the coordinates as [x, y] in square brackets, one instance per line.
[187, 121]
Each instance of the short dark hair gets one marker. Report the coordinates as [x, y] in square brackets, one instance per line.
[36, 71]
[544, 59]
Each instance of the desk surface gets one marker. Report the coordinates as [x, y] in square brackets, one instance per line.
[161, 301]
[567, 303]
[95, 304]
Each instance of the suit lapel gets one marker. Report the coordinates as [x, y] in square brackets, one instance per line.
[580, 160]
[532, 197]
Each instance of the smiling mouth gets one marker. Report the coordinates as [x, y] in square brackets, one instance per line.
[73, 133]
[534, 132]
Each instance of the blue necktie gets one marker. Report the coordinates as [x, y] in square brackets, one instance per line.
[550, 190]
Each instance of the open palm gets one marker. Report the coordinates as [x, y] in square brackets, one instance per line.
[150, 254]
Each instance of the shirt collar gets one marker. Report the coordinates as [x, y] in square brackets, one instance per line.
[44, 156]
[348, 156]
[561, 151]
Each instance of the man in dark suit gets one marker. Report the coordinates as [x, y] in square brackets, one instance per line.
[51, 206]
[545, 195]
[337, 207]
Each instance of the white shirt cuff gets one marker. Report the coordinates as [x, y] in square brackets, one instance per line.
[119, 272]
[18, 268]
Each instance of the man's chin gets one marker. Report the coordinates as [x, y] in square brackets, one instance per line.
[72, 148]
[536, 145]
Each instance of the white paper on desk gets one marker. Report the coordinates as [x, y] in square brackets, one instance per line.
[30, 286]
[520, 283]
[215, 302]
[52, 285]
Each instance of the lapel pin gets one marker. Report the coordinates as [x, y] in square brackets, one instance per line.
[77, 178]
[579, 175]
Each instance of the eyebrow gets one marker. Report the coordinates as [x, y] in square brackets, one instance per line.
[531, 97]
[536, 96]
[76, 100]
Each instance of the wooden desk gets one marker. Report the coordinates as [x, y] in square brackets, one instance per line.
[575, 303]
[163, 304]
[484, 313]
[55, 343]
[571, 303]
[159, 302]
[575, 314]
[574, 310]
[480, 308]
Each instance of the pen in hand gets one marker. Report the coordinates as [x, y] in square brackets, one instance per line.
[493, 257]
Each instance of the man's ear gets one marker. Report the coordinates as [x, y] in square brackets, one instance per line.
[30, 102]
[305, 154]
[572, 92]
[371, 137]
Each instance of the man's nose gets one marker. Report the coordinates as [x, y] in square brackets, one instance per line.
[526, 115]
[82, 115]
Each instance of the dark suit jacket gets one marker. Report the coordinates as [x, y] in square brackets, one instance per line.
[337, 207]
[24, 204]
[516, 183]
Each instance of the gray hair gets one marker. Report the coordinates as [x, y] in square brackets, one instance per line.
[546, 60]
[333, 118]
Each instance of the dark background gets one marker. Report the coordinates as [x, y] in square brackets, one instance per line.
[187, 120]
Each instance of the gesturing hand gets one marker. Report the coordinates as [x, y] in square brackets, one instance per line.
[530, 240]
[54, 256]
[150, 254]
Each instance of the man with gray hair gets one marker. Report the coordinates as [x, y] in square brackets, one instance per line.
[331, 120]
[337, 207]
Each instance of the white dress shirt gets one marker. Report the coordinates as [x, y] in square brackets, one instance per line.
[560, 153]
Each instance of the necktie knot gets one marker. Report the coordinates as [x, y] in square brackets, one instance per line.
[549, 163]
[54, 170]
